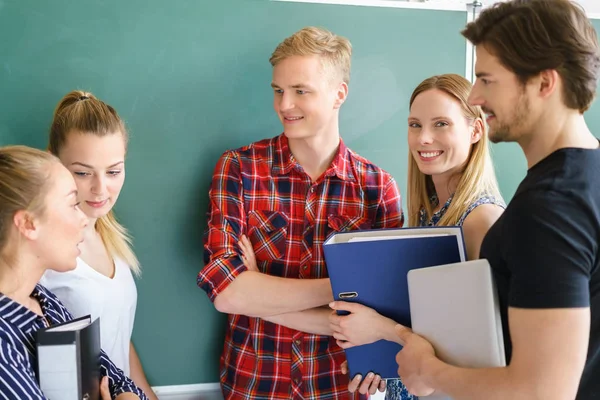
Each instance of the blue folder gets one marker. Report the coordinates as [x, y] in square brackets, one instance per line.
[370, 267]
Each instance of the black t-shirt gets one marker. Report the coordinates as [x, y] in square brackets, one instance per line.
[544, 249]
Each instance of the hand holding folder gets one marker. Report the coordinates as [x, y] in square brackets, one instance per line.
[370, 267]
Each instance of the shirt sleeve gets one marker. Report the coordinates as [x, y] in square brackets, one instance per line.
[551, 243]
[390, 213]
[226, 220]
[17, 381]
[118, 383]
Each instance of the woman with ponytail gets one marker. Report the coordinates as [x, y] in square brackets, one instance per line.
[90, 139]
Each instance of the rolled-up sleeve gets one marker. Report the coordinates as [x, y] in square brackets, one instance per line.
[226, 221]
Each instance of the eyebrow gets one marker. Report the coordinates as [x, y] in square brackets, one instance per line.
[296, 86]
[433, 119]
[482, 74]
[90, 167]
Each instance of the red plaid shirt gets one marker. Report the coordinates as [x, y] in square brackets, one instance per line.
[262, 191]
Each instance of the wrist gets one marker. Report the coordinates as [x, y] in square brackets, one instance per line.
[430, 369]
[387, 329]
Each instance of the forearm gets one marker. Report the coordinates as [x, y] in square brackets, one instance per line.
[314, 320]
[259, 295]
[386, 329]
[480, 383]
[127, 396]
[137, 373]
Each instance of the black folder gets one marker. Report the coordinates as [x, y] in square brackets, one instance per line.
[68, 360]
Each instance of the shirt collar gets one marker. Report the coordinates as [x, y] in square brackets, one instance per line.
[342, 165]
[18, 315]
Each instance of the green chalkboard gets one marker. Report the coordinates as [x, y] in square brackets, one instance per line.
[191, 78]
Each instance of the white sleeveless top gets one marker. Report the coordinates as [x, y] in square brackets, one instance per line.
[85, 291]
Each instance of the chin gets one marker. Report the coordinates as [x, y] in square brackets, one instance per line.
[97, 213]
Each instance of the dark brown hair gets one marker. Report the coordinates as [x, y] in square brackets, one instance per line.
[531, 36]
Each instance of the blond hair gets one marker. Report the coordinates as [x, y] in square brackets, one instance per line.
[24, 184]
[334, 51]
[477, 178]
[82, 112]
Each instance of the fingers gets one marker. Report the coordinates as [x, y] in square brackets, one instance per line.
[382, 385]
[403, 333]
[364, 387]
[345, 344]
[353, 385]
[104, 391]
[344, 367]
[344, 306]
[375, 385]
[245, 246]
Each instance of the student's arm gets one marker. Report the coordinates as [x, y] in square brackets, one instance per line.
[549, 352]
[476, 225]
[229, 284]
[551, 253]
[118, 383]
[17, 381]
[314, 320]
[138, 375]
[362, 326]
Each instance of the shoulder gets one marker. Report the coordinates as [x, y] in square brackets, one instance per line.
[54, 308]
[482, 217]
[482, 210]
[260, 148]
[245, 158]
[368, 173]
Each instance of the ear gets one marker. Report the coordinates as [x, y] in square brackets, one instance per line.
[478, 131]
[548, 82]
[340, 95]
[27, 224]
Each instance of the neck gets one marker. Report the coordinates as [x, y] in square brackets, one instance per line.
[445, 185]
[316, 153]
[18, 279]
[556, 131]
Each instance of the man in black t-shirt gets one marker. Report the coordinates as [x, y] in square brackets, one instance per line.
[537, 71]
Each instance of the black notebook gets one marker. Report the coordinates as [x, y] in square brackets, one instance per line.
[68, 360]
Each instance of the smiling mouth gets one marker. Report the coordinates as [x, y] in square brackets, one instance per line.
[292, 119]
[97, 204]
[430, 154]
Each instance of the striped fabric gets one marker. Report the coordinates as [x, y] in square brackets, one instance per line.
[18, 325]
[261, 190]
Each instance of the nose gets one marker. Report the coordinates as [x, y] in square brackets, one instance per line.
[99, 184]
[425, 136]
[475, 97]
[286, 102]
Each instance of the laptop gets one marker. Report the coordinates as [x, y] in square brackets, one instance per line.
[455, 307]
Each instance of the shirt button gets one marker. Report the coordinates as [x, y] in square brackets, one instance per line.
[305, 267]
[297, 341]
[312, 189]
[296, 381]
